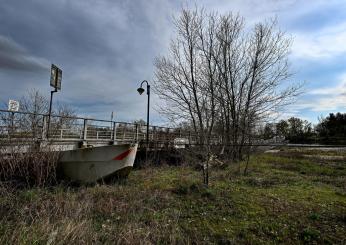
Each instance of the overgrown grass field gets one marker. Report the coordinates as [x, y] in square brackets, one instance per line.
[286, 197]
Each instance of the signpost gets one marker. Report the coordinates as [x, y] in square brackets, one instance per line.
[55, 77]
[13, 106]
[55, 82]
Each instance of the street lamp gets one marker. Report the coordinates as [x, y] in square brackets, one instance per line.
[140, 91]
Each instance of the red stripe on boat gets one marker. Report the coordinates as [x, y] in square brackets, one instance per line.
[122, 155]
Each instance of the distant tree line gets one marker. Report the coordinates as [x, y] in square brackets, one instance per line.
[329, 130]
[332, 129]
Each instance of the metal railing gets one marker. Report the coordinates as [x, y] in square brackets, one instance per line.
[25, 125]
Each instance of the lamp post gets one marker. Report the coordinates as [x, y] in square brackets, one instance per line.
[140, 91]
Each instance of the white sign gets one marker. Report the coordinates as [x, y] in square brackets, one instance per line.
[13, 105]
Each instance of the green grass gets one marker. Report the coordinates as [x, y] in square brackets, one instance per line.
[284, 199]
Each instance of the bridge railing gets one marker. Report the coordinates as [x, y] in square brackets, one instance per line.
[15, 125]
[34, 127]
[24, 125]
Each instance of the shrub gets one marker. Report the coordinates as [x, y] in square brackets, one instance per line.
[30, 169]
[309, 234]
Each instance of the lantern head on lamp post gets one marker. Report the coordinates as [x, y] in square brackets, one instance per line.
[140, 90]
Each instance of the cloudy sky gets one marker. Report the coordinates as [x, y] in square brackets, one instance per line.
[106, 47]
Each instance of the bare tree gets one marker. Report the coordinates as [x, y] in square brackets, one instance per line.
[187, 78]
[219, 74]
[178, 73]
[23, 159]
[36, 106]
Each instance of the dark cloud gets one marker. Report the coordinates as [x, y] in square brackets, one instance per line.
[105, 49]
[14, 57]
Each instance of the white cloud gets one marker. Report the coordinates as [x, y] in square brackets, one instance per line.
[325, 98]
[326, 43]
[315, 44]
[339, 89]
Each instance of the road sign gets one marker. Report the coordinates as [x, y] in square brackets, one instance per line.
[13, 105]
[55, 77]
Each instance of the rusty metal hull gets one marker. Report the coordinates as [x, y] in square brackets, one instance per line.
[93, 164]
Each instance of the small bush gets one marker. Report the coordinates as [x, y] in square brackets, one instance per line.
[201, 190]
[30, 169]
[309, 234]
[314, 216]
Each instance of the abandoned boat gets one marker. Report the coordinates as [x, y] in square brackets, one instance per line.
[94, 164]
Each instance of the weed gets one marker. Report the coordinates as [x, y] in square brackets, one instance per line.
[314, 216]
[31, 169]
[274, 203]
[309, 235]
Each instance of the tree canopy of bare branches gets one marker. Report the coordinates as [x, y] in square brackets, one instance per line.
[223, 77]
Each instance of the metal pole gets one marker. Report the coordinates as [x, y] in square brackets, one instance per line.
[12, 124]
[140, 91]
[136, 136]
[50, 109]
[147, 148]
[85, 132]
[114, 132]
[44, 127]
[111, 119]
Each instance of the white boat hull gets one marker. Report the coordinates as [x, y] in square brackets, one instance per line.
[98, 163]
